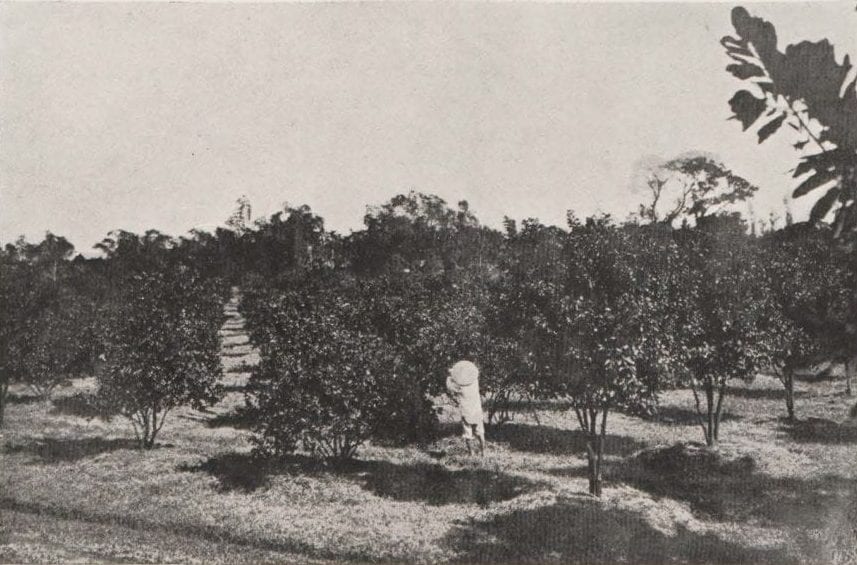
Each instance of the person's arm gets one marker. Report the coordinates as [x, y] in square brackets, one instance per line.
[452, 390]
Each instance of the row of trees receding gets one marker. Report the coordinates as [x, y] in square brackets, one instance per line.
[144, 321]
[600, 314]
[356, 332]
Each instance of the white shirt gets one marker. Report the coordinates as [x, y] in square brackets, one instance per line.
[468, 400]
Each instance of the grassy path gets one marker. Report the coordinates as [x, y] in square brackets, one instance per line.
[237, 354]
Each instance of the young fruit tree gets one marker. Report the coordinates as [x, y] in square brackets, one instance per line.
[803, 278]
[56, 342]
[163, 348]
[720, 308]
[324, 383]
[592, 314]
[48, 330]
[504, 359]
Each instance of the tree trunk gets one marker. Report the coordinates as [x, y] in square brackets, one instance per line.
[593, 464]
[153, 431]
[709, 420]
[154, 428]
[4, 389]
[147, 427]
[595, 451]
[789, 383]
[718, 411]
[711, 436]
[848, 367]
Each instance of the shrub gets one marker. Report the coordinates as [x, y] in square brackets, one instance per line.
[163, 349]
[323, 383]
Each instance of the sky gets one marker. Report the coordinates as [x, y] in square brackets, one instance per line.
[140, 116]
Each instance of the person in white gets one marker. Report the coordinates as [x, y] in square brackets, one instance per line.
[462, 385]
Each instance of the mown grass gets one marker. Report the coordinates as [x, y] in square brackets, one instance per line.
[73, 487]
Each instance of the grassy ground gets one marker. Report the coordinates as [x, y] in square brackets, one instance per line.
[76, 489]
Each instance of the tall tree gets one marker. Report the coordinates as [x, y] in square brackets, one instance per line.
[239, 220]
[418, 232]
[692, 187]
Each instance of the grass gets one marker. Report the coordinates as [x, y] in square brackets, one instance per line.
[75, 488]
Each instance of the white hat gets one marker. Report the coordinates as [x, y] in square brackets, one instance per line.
[464, 373]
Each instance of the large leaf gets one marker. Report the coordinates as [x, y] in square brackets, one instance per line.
[745, 70]
[824, 161]
[806, 71]
[747, 108]
[824, 204]
[815, 181]
[771, 127]
[757, 31]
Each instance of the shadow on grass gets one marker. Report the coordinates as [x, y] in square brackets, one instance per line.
[526, 405]
[544, 439]
[242, 367]
[778, 394]
[676, 416]
[82, 404]
[422, 482]
[583, 531]
[436, 485]
[820, 430]
[239, 418]
[731, 489]
[234, 471]
[22, 399]
[231, 352]
[54, 450]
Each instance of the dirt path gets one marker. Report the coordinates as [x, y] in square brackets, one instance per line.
[237, 354]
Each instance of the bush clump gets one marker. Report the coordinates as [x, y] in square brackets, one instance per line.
[325, 383]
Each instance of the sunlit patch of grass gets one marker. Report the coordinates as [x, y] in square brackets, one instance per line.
[79, 489]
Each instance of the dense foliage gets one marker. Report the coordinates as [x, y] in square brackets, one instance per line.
[325, 381]
[721, 305]
[49, 331]
[163, 349]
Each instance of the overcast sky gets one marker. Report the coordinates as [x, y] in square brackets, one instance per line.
[139, 116]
